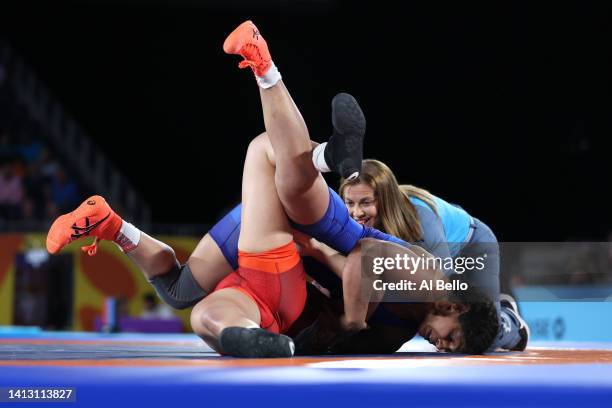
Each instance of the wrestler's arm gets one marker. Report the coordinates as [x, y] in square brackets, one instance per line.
[359, 289]
[378, 339]
[324, 254]
[331, 258]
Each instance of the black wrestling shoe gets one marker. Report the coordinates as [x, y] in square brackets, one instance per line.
[255, 343]
[344, 150]
[511, 308]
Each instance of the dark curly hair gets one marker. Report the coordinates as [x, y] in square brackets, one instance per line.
[479, 324]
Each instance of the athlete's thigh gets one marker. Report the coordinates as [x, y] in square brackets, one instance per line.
[208, 264]
[221, 309]
[264, 224]
[302, 190]
[224, 306]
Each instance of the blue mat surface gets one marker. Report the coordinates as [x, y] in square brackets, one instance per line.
[172, 370]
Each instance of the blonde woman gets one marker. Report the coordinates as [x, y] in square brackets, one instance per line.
[375, 199]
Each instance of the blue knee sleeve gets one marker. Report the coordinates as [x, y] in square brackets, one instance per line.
[338, 230]
[226, 233]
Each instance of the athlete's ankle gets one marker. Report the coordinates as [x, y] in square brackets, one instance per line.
[128, 237]
[318, 158]
[270, 78]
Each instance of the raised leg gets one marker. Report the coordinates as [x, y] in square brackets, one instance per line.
[257, 295]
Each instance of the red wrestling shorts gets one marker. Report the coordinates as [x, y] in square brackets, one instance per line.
[275, 280]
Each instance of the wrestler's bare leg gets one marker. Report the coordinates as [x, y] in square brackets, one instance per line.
[264, 226]
[302, 189]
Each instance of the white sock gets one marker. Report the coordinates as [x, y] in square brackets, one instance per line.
[128, 237]
[318, 158]
[270, 78]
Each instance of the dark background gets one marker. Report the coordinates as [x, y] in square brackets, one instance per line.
[503, 109]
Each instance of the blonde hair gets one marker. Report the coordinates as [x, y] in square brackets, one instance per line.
[396, 213]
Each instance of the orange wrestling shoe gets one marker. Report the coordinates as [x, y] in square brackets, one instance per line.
[246, 41]
[93, 217]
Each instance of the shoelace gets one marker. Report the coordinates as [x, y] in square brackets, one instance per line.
[92, 249]
[248, 52]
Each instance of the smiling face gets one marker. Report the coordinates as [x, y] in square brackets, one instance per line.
[441, 327]
[361, 203]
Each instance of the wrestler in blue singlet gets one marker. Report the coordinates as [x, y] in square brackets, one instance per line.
[336, 229]
[451, 232]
